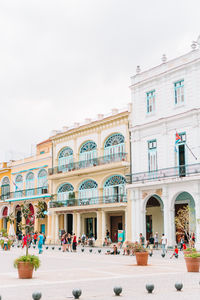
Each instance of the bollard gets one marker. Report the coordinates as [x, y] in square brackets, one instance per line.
[33, 247]
[82, 250]
[178, 286]
[163, 254]
[76, 293]
[36, 295]
[117, 290]
[47, 248]
[18, 246]
[53, 248]
[13, 246]
[90, 250]
[59, 248]
[150, 287]
[99, 250]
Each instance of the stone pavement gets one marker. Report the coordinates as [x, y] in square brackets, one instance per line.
[96, 274]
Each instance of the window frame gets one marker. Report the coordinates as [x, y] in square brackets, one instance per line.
[151, 96]
[179, 88]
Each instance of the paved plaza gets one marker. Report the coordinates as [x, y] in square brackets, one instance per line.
[96, 274]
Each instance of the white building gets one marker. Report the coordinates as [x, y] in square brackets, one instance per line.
[166, 100]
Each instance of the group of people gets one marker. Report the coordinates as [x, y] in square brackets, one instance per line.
[69, 242]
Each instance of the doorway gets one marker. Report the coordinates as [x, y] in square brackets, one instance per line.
[181, 160]
[91, 227]
[70, 223]
[115, 225]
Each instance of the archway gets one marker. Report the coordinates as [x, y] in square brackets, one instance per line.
[154, 216]
[183, 202]
[18, 215]
[4, 216]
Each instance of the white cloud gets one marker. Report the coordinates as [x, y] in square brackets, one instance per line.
[63, 61]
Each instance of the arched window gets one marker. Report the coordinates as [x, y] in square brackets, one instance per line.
[88, 192]
[64, 191]
[114, 189]
[88, 152]
[114, 145]
[18, 186]
[30, 184]
[65, 159]
[42, 182]
[5, 188]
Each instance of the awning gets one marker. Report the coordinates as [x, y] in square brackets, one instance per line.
[28, 198]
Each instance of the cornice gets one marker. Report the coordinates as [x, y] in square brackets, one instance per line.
[93, 127]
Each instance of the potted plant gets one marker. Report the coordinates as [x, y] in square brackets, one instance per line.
[189, 251]
[141, 254]
[26, 263]
[192, 261]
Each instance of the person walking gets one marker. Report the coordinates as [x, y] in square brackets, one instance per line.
[35, 238]
[69, 242]
[74, 243]
[156, 240]
[151, 244]
[24, 240]
[142, 240]
[40, 242]
[164, 243]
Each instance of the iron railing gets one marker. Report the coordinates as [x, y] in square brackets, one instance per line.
[24, 193]
[180, 171]
[88, 201]
[93, 162]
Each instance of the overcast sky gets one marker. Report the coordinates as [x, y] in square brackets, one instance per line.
[63, 61]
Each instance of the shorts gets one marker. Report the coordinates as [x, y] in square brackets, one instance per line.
[151, 246]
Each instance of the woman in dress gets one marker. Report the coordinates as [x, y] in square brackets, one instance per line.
[74, 243]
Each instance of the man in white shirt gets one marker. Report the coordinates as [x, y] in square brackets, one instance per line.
[163, 243]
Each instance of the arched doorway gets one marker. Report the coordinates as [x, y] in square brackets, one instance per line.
[154, 216]
[4, 216]
[18, 215]
[184, 207]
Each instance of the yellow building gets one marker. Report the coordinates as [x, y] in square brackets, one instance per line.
[5, 179]
[90, 162]
[28, 181]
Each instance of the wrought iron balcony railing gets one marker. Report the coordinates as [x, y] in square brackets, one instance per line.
[180, 171]
[93, 162]
[25, 193]
[88, 201]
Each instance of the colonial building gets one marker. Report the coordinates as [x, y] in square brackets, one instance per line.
[5, 177]
[27, 180]
[165, 137]
[90, 162]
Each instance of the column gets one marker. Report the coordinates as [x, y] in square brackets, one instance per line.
[103, 223]
[125, 224]
[49, 233]
[56, 228]
[99, 241]
[78, 217]
[75, 224]
[36, 225]
[53, 228]
[65, 222]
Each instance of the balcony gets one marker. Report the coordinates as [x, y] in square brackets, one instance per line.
[25, 194]
[88, 201]
[161, 174]
[88, 163]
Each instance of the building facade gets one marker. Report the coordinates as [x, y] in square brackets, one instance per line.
[27, 180]
[5, 179]
[88, 178]
[165, 147]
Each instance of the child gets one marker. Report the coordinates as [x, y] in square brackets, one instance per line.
[175, 253]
